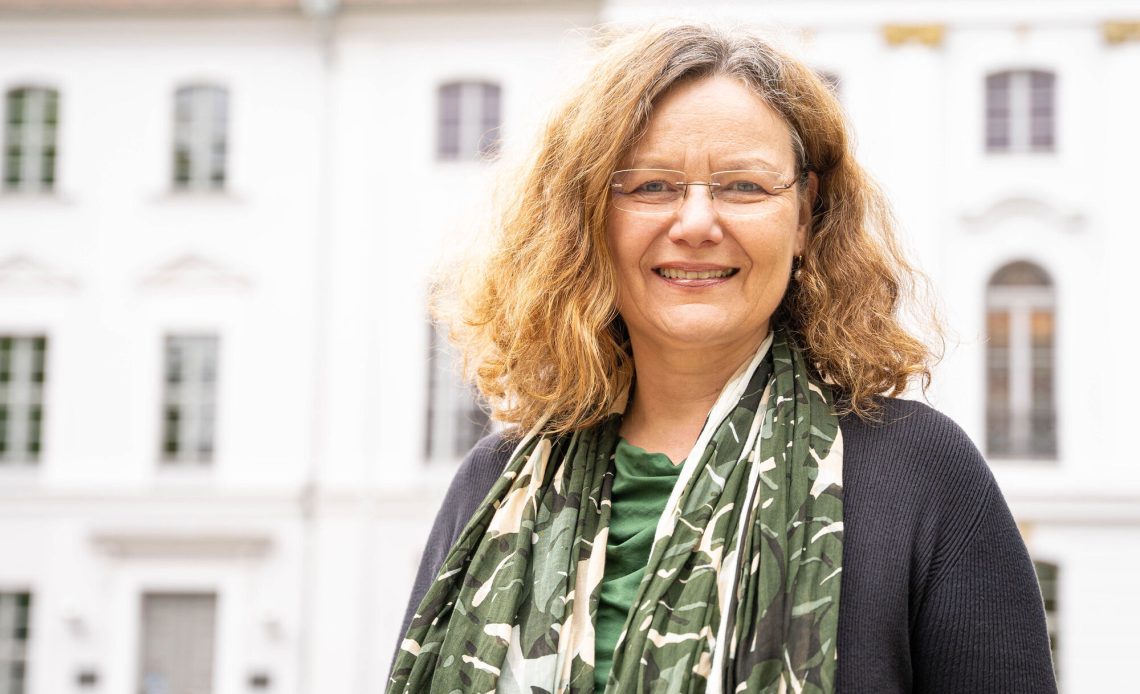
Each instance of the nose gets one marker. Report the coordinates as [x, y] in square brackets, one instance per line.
[697, 223]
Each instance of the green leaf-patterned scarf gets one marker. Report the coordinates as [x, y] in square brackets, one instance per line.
[741, 593]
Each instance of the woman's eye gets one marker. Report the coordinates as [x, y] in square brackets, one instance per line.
[653, 187]
[745, 187]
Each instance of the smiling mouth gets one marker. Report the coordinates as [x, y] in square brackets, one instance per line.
[675, 274]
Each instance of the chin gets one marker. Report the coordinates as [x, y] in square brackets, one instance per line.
[701, 329]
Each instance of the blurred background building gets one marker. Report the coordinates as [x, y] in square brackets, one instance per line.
[226, 424]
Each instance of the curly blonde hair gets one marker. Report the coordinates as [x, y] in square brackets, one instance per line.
[536, 317]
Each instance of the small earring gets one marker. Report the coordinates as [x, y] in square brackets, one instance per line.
[798, 272]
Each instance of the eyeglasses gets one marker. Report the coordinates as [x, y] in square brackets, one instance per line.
[662, 191]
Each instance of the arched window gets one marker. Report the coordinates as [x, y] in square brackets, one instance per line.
[31, 120]
[1020, 111]
[201, 114]
[455, 421]
[469, 120]
[1021, 418]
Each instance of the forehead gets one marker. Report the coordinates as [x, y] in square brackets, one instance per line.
[716, 122]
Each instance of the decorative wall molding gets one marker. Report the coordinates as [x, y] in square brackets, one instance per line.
[204, 545]
[924, 34]
[1024, 206]
[22, 274]
[193, 273]
[1121, 32]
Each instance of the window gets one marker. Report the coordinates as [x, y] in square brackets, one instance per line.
[469, 120]
[455, 422]
[200, 121]
[1021, 418]
[191, 376]
[177, 643]
[21, 398]
[1020, 111]
[1047, 579]
[30, 123]
[15, 609]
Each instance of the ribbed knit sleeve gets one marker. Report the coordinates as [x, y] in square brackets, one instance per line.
[939, 593]
[982, 627]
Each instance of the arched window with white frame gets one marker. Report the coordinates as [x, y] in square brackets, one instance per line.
[1020, 111]
[1021, 415]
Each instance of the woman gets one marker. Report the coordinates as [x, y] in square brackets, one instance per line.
[690, 318]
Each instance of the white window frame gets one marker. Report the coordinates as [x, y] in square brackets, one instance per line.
[193, 398]
[201, 135]
[22, 398]
[476, 129]
[35, 138]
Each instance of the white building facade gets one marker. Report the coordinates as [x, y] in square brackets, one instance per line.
[226, 424]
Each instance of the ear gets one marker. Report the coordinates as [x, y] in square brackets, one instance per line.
[807, 202]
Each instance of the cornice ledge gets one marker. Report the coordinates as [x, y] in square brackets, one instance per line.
[181, 545]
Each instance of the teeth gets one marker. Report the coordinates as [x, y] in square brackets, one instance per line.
[673, 274]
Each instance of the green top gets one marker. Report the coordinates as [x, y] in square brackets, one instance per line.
[643, 482]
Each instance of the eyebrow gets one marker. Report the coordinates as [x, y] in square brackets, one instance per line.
[744, 162]
[748, 162]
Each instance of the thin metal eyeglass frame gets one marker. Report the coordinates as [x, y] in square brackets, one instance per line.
[708, 184]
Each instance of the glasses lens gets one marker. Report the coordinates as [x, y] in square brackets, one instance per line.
[647, 190]
[741, 192]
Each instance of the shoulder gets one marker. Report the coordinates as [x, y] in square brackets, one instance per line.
[487, 459]
[913, 441]
[482, 465]
[915, 489]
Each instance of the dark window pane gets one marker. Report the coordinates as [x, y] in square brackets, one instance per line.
[997, 383]
[36, 418]
[1041, 107]
[489, 138]
[449, 120]
[1043, 435]
[997, 112]
[170, 431]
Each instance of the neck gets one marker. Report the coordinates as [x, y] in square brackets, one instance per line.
[675, 389]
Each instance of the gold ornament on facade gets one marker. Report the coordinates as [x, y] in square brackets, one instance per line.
[1121, 32]
[923, 34]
